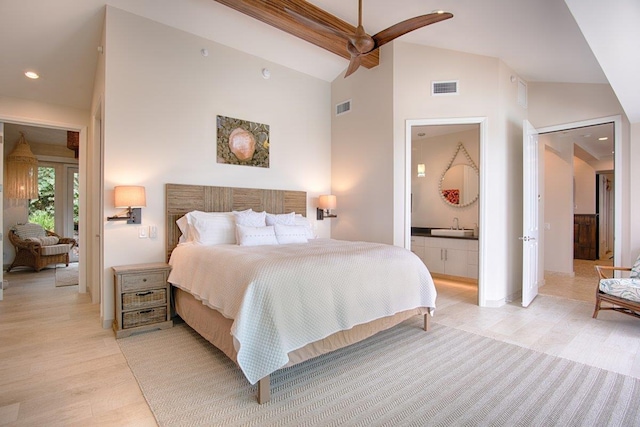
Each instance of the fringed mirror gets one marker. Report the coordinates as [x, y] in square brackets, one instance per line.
[459, 183]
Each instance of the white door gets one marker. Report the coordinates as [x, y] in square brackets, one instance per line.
[1, 210]
[531, 217]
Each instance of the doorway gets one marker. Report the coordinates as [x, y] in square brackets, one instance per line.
[57, 164]
[468, 216]
[581, 208]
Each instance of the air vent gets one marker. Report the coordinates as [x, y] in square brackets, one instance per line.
[444, 88]
[343, 108]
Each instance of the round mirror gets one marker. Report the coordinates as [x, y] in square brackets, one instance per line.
[459, 185]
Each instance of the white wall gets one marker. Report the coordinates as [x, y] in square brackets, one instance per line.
[361, 153]
[558, 207]
[429, 210]
[160, 105]
[585, 187]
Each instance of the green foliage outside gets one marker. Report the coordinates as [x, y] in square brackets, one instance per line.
[42, 210]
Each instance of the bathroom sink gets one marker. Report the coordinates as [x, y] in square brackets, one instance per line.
[451, 233]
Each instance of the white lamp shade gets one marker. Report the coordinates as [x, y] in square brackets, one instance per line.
[129, 196]
[327, 202]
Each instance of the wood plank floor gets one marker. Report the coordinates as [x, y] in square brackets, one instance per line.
[59, 367]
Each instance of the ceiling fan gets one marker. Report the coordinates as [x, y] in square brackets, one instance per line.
[360, 43]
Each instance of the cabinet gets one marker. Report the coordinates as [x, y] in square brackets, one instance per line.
[453, 257]
[585, 236]
[142, 298]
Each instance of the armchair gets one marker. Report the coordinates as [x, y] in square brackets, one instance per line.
[36, 247]
[623, 294]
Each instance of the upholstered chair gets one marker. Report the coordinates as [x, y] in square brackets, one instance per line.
[37, 248]
[621, 294]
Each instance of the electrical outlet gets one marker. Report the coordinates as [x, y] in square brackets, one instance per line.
[143, 232]
[153, 232]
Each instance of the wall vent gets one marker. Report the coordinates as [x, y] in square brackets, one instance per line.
[343, 108]
[444, 88]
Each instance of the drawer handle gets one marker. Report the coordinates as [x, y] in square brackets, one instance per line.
[146, 311]
[144, 280]
[142, 294]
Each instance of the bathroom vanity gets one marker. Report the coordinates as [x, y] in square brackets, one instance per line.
[451, 256]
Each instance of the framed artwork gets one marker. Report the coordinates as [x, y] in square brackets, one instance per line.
[240, 142]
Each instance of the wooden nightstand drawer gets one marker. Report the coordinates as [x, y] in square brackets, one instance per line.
[142, 280]
[132, 319]
[143, 299]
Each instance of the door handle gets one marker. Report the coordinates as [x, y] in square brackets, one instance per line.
[526, 238]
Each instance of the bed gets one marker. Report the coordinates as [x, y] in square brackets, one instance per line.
[290, 301]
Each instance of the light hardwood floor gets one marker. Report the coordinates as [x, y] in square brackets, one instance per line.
[59, 367]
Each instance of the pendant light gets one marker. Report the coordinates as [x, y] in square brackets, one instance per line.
[21, 180]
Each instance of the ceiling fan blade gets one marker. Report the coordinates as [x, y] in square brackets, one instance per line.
[354, 64]
[315, 24]
[404, 27]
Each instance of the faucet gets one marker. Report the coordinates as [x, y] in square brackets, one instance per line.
[455, 219]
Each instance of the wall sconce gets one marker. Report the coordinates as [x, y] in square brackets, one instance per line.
[421, 170]
[325, 204]
[131, 197]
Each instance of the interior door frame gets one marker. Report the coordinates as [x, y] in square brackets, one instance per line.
[482, 122]
[617, 173]
[82, 282]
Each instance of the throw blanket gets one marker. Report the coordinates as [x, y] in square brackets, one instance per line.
[283, 297]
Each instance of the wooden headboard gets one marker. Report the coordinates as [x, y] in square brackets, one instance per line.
[182, 198]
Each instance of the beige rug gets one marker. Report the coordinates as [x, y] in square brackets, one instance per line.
[403, 376]
[67, 276]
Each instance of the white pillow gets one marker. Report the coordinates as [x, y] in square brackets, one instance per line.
[302, 221]
[291, 233]
[183, 225]
[211, 228]
[287, 219]
[256, 236]
[250, 218]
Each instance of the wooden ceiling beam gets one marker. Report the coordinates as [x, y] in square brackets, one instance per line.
[273, 12]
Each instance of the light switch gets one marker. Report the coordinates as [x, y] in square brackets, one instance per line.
[143, 232]
[153, 231]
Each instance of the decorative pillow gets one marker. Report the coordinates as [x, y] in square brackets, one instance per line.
[250, 218]
[286, 219]
[256, 236]
[211, 228]
[24, 231]
[302, 221]
[291, 233]
[635, 270]
[44, 241]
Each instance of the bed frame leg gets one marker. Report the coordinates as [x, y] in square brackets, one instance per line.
[426, 322]
[264, 390]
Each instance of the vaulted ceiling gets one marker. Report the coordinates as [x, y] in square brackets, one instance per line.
[538, 39]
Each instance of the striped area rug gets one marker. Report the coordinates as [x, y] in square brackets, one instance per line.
[400, 377]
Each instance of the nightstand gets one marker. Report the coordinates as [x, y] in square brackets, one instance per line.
[142, 298]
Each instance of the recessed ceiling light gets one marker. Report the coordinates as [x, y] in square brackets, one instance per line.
[32, 74]
[604, 138]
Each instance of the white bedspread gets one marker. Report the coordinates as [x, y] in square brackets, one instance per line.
[283, 297]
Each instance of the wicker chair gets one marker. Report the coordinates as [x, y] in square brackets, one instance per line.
[37, 248]
[622, 294]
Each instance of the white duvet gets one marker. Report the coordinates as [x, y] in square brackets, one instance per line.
[283, 297]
